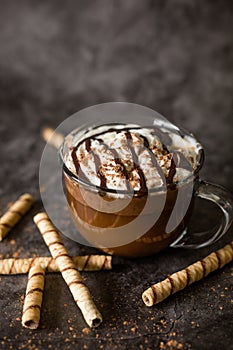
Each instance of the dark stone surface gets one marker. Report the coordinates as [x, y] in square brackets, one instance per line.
[56, 58]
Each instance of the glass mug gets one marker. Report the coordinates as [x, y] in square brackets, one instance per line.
[126, 223]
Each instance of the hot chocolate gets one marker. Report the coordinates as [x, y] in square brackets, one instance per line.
[115, 174]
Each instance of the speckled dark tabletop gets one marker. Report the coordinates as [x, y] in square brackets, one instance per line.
[173, 56]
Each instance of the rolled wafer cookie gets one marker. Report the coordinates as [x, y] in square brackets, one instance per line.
[53, 137]
[68, 270]
[33, 297]
[13, 266]
[16, 211]
[183, 278]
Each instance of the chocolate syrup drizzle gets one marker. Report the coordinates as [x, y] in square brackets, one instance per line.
[76, 162]
[178, 159]
[152, 156]
[172, 170]
[142, 179]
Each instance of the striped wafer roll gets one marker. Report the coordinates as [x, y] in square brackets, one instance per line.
[14, 214]
[68, 270]
[13, 266]
[181, 279]
[53, 137]
[33, 297]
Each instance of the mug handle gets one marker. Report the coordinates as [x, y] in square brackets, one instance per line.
[224, 200]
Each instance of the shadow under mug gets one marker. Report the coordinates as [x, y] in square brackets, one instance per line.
[133, 226]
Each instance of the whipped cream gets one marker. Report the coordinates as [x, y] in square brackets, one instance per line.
[123, 157]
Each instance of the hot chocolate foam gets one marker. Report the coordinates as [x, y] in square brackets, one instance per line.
[123, 157]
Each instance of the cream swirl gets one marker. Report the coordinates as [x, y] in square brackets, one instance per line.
[121, 157]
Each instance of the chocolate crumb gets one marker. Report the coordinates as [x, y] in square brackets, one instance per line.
[86, 330]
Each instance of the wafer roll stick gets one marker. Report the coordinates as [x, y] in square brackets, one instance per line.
[68, 270]
[33, 297]
[181, 279]
[53, 137]
[14, 266]
[14, 214]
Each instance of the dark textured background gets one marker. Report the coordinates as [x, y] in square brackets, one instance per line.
[56, 57]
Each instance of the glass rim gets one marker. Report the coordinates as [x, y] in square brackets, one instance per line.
[199, 162]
